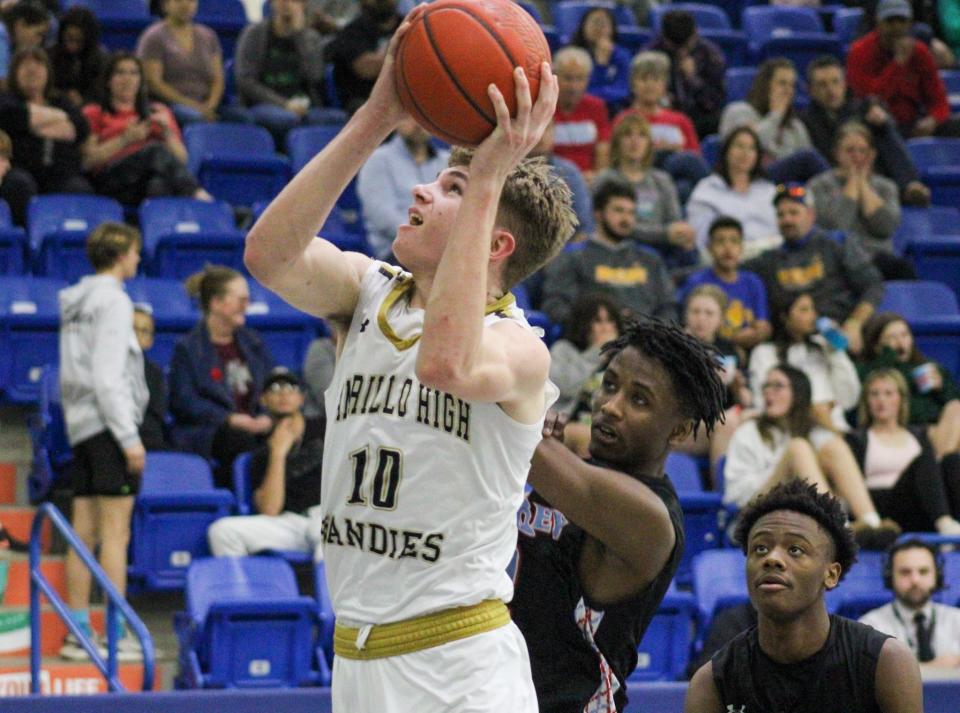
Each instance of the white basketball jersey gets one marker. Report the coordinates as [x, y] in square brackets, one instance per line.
[420, 488]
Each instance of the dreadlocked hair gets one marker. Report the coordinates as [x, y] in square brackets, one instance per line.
[797, 495]
[694, 367]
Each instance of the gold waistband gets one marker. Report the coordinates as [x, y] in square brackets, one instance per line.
[422, 632]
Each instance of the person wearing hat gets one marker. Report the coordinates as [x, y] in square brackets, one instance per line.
[838, 274]
[284, 475]
[893, 66]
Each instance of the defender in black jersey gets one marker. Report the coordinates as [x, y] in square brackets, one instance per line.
[600, 540]
[798, 658]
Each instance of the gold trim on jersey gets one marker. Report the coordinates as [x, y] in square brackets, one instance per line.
[422, 632]
[404, 286]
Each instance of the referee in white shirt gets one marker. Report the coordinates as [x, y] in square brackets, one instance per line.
[914, 571]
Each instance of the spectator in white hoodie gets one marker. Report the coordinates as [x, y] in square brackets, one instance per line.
[104, 397]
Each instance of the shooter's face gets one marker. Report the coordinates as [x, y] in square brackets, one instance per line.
[422, 239]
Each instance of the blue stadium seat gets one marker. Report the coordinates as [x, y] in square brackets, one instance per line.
[176, 504]
[173, 312]
[286, 330]
[792, 32]
[738, 81]
[242, 489]
[632, 38]
[568, 13]
[246, 626]
[13, 244]
[181, 235]
[48, 437]
[703, 518]
[846, 25]
[664, 652]
[305, 142]
[710, 148]
[683, 472]
[58, 225]
[237, 163]
[938, 161]
[121, 21]
[536, 318]
[951, 81]
[712, 24]
[950, 594]
[931, 310]
[861, 589]
[719, 582]
[325, 616]
[733, 9]
[29, 334]
[225, 17]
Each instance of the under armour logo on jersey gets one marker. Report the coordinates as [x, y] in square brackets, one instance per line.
[741, 709]
[363, 325]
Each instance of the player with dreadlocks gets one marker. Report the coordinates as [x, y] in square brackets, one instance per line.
[799, 657]
[600, 540]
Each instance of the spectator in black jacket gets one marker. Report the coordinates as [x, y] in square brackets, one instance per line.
[831, 105]
[697, 67]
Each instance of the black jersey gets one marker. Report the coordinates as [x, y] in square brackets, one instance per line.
[840, 677]
[580, 653]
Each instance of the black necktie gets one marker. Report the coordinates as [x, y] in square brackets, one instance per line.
[924, 649]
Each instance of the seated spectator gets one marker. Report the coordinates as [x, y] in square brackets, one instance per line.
[609, 79]
[183, 65]
[285, 476]
[152, 429]
[893, 66]
[77, 59]
[581, 122]
[725, 625]
[659, 219]
[318, 367]
[387, 180]
[788, 153]
[900, 466]
[863, 205]
[279, 70]
[737, 188]
[671, 130]
[47, 131]
[611, 263]
[914, 572]
[575, 361]
[934, 396]
[831, 106]
[17, 186]
[568, 171]
[838, 274]
[135, 150]
[27, 24]
[216, 375]
[358, 50]
[834, 382]
[697, 68]
[745, 318]
[783, 443]
[703, 317]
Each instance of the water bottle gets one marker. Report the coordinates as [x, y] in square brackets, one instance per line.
[831, 332]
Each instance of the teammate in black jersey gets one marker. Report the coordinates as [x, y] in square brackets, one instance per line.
[600, 539]
[799, 658]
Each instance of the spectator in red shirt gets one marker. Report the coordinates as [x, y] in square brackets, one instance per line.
[890, 64]
[582, 124]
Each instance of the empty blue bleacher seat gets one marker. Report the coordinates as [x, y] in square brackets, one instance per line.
[847, 23]
[326, 619]
[29, 334]
[683, 472]
[48, 436]
[286, 330]
[719, 581]
[733, 9]
[664, 652]
[950, 594]
[938, 162]
[181, 235]
[225, 17]
[57, 227]
[176, 504]
[246, 626]
[792, 32]
[237, 163]
[861, 589]
[738, 81]
[13, 244]
[951, 82]
[121, 21]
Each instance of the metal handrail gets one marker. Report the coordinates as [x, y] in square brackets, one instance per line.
[115, 602]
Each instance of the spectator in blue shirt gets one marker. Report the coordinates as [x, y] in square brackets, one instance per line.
[746, 319]
[610, 78]
[386, 181]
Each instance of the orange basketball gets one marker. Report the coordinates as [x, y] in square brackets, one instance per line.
[453, 51]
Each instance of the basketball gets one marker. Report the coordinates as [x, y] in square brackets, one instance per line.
[453, 52]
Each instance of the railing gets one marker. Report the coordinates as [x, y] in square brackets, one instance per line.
[116, 605]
